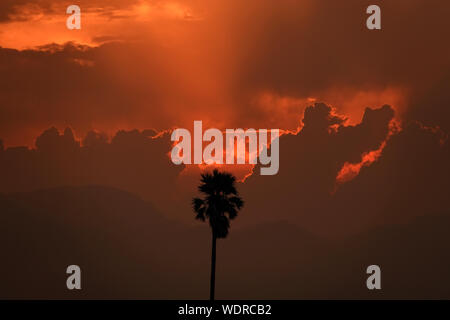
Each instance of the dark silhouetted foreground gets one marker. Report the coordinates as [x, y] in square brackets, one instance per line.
[220, 203]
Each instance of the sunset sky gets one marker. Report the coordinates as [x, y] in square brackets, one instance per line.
[162, 64]
[365, 117]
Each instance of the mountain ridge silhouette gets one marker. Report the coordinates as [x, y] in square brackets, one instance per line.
[126, 249]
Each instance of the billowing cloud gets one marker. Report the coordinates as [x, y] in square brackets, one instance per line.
[160, 66]
[408, 178]
[228, 63]
[307, 186]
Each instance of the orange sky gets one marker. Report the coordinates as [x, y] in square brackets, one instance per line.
[163, 64]
[232, 64]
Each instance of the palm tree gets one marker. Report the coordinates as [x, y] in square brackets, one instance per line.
[221, 203]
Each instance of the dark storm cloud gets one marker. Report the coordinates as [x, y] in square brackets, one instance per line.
[10, 7]
[394, 213]
[329, 45]
[307, 48]
[214, 67]
[305, 187]
[409, 179]
[13, 10]
[73, 85]
[132, 161]
[291, 48]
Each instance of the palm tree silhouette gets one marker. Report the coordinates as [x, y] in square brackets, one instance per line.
[221, 202]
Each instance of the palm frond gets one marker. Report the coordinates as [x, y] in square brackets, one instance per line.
[199, 208]
[220, 198]
[237, 201]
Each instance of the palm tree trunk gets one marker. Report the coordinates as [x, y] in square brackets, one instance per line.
[213, 268]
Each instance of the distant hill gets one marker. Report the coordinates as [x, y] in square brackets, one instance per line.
[123, 246]
[126, 249]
